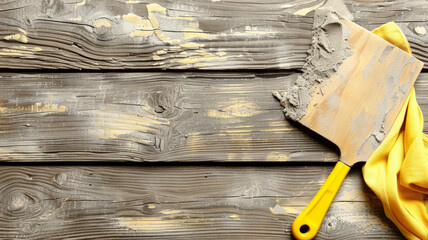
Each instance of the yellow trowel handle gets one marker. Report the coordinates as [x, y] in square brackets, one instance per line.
[306, 225]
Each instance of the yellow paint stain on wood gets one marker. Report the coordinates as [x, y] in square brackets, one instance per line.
[217, 114]
[281, 123]
[190, 33]
[237, 110]
[124, 124]
[22, 31]
[420, 30]
[183, 54]
[304, 11]
[161, 52]
[194, 24]
[154, 7]
[152, 18]
[62, 109]
[235, 217]
[34, 108]
[19, 51]
[192, 45]
[17, 37]
[101, 23]
[166, 39]
[151, 206]
[147, 27]
[143, 33]
[156, 13]
[127, 125]
[139, 22]
[170, 211]
[143, 27]
[221, 53]
[287, 6]
[193, 134]
[82, 3]
[198, 56]
[330, 159]
[144, 224]
[11, 54]
[277, 157]
[8, 50]
[157, 57]
[35, 49]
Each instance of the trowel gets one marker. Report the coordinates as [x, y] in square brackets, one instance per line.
[354, 108]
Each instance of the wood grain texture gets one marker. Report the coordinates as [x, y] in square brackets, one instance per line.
[199, 116]
[134, 34]
[180, 202]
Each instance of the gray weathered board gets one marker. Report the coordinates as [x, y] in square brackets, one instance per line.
[141, 34]
[170, 116]
[189, 116]
[184, 202]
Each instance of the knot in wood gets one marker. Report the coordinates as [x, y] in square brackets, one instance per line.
[166, 102]
[60, 178]
[17, 202]
[104, 32]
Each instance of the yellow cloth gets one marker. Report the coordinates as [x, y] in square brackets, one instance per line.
[397, 172]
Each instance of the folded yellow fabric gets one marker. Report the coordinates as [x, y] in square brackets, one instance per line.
[397, 172]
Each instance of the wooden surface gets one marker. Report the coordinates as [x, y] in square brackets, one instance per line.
[131, 34]
[180, 202]
[191, 116]
[109, 118]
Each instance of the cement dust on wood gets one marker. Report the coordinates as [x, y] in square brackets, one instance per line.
[328, 50]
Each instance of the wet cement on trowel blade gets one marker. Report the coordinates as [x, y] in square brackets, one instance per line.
[392, 97]
[328, 50]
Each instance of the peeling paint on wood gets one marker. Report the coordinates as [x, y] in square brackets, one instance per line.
[103, 34]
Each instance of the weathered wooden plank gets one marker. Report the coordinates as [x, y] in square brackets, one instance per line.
[180, 202]
[202, 116]
[134, 34]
